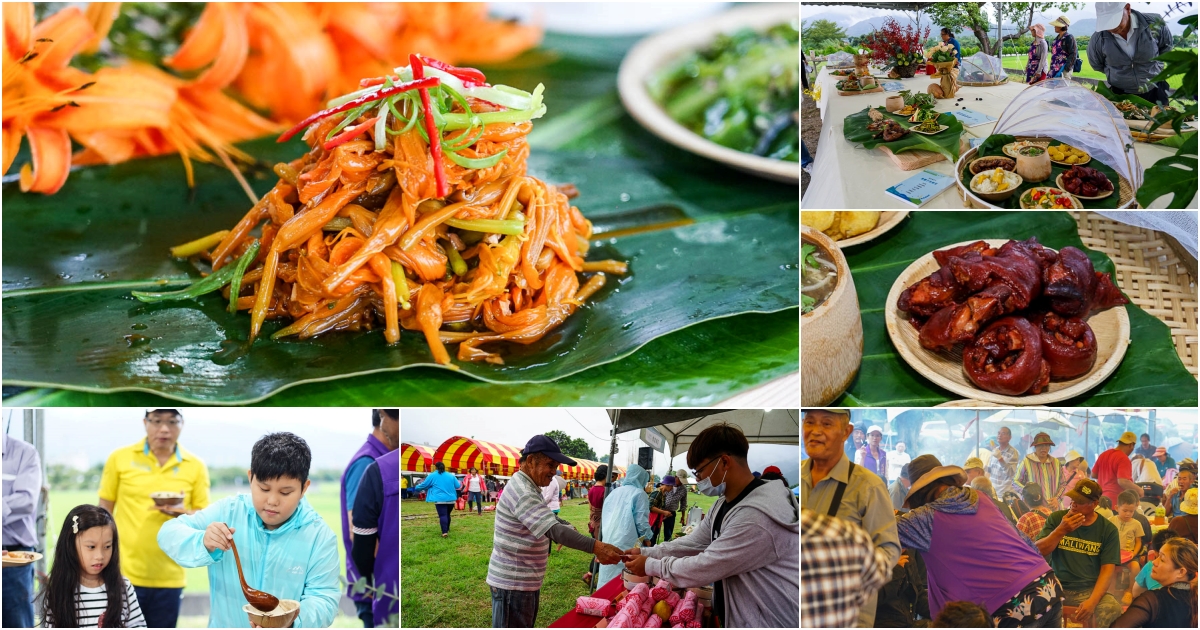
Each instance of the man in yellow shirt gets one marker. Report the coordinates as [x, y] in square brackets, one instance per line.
[156, 463]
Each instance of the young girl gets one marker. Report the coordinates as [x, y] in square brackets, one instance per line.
[86, 588]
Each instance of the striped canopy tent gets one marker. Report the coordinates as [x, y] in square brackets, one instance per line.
[459, 454]
[416, 457]
[583, 470]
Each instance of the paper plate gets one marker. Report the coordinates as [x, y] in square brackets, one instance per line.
[887, 221]
[654, 53]
[30, 558]
[945, 368]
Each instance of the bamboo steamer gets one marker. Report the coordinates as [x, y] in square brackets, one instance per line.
[831, 336]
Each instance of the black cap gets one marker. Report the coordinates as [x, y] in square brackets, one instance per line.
[546, 446]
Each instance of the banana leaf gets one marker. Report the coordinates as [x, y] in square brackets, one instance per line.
[703, 246]
[854, 127]
[1014, 202]
[1151, 374]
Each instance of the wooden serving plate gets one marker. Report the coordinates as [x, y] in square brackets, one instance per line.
[887, 221]
[945, 368]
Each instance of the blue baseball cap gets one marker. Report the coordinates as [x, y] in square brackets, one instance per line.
[546, 446]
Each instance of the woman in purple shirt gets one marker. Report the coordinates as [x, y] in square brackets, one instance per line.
[972, 553]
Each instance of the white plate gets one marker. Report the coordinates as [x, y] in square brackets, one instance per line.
[655, 53]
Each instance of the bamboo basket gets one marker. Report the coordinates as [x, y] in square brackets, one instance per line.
[971, 200]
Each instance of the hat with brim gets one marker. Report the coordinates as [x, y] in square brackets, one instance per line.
[1188, 504]
[1160, 451]
[926, 469]
[1109, 15]
[1061, 21]
[875, 429]
[973, 462]
[1042, 439]
[1085, 491]
[1072, 456]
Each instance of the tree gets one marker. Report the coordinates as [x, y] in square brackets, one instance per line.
[957, 16]
[821, 30]
[572, 447]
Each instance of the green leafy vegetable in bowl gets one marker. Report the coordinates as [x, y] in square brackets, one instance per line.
[923, 100]
[741, 92]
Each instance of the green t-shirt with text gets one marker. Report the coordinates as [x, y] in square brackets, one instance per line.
[1077, 559]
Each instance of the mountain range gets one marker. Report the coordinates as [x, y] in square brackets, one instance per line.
[856, 28]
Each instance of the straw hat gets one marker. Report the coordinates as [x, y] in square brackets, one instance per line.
[1042, 438]
[973, 462]
[926, 469]
[1188, 505]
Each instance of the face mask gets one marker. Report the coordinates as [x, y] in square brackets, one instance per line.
[707, 489]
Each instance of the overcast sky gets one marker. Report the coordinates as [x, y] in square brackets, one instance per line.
[862, 13]
[219, 436]
[516, 425]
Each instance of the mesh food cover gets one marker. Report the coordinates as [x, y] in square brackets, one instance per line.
[980, 68]
[1057, 108]
[841, 59]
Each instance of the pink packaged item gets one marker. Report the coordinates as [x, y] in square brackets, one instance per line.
[641, 589]
[594, 606]
[653, 621]
[621, 620]
[695, 623]
[647, 605]
[673, 599]
[686, 610]
[659, 593]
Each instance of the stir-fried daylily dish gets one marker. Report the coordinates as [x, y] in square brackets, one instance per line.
[412, 210]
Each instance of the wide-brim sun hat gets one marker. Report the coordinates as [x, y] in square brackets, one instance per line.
[926, 469]
[1042, 438]
[1072, 456]
[1061, 21]
[1188, 504]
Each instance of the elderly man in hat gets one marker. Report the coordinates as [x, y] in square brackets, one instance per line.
[830, 484]
[972, 552]
[525, 527]
[973, 468]
[1084, 550]
[1041, 469]
[1114, 471]
[1124, 47]
[872, 456]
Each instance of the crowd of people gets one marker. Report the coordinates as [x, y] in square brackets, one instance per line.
[753, 511]
[1014, 541]
[120, 563]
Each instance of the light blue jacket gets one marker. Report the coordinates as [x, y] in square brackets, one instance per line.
[626, 517]
[298, 560]
[443, 487]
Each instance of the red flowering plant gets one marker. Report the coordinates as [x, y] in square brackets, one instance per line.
[895, 45]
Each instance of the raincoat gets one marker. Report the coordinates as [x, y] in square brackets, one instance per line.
[626, 517]
[297, 560]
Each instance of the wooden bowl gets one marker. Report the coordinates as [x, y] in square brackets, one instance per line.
[1012, 164]
[945, 368]
[282, 617]
[999, 195]
[831, 337]
[167, 498]
[887, 221]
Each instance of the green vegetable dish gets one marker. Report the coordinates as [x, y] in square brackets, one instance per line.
[742, 91]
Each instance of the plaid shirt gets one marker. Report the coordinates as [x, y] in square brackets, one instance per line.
[840, 567]
[672, 500]
[1032, 521]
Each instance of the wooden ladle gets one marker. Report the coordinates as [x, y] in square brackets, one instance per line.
[258, 599]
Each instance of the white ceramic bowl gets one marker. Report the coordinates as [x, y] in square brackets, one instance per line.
[655, 53]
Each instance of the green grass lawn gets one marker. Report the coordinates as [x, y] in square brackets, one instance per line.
[324, 499]
[445, 578]
[1087, 72]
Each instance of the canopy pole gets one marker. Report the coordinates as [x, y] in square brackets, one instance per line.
[615, 416]
[1087, 436]
[977, 433]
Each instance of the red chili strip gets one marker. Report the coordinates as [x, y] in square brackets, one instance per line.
[349, 134]
[365, 98]
[470, 76]
[435, 144]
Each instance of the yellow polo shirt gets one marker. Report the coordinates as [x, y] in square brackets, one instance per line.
[130, 475]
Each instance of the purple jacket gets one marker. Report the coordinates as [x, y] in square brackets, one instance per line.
[374, 449]
[868, 461]
[971, 552]
[387, 557]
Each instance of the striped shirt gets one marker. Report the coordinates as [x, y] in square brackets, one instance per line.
[519, 545]
[676, 499]
[91, 602]
[1048, 475]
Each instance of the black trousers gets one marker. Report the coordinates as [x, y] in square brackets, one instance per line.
[1156, 95]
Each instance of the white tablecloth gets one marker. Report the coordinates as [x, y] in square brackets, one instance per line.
[847, 176]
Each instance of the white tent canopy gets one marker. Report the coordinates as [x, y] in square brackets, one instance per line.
[681, 426]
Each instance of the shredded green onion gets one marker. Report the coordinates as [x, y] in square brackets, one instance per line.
[235, 284]
[401, 284]
[212, 282]
[337, 224]
[483, 162]
[491, 226]
[457, 264]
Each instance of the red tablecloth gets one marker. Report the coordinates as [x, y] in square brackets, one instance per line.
[576, 620]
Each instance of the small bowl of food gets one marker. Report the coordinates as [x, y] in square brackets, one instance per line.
[979, 165]
[1049, 198]
[831, 325]
[995, 185]
[164, 499]
[281, 617]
